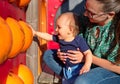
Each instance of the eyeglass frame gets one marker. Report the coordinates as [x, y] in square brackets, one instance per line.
[93, 15]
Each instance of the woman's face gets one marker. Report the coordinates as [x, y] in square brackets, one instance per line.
[94, 12]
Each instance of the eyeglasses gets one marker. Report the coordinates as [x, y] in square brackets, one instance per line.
[93, 15]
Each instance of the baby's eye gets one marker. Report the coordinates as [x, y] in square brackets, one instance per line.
[58, 27]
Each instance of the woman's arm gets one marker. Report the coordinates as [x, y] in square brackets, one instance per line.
[88, 61]
[88, 57]
[106, 64]
[77, 57]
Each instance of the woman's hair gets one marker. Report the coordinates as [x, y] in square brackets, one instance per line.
[109, 6]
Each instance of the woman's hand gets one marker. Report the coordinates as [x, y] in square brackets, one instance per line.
[75, 56]
[62, 56]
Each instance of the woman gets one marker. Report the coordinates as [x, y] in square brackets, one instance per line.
[102, 34]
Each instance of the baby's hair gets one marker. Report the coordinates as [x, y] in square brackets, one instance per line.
[72, 20]
[75, 24]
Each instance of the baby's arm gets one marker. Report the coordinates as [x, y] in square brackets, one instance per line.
[42, 35]
[88, 61]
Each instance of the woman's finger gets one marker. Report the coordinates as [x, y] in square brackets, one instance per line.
[71, 56]
[75, 56]
[74, 61]
[74, 51]
[62, 56]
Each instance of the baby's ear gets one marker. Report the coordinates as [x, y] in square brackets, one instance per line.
[71, 28]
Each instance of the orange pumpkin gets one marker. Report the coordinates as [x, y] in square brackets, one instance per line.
[28, 35]
[23, 3]
[18, 37]
[13, 79]
[20, 3]
[5, 40]
[24, 73]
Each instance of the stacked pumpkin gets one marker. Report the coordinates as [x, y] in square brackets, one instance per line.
[16, 37]
[20, 3]
[19, 75]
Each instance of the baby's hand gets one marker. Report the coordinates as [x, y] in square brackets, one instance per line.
[85, 69]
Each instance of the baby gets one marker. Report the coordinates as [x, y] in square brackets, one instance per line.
[67, 30]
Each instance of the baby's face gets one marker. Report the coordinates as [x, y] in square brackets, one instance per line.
[62, 28]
